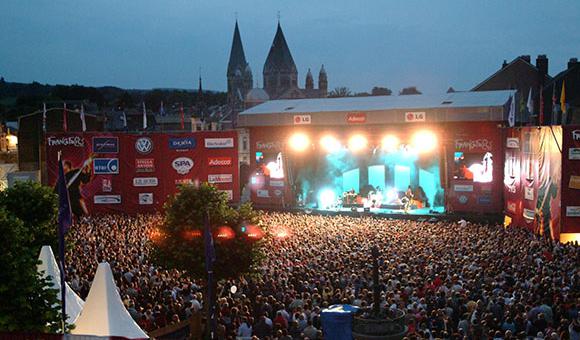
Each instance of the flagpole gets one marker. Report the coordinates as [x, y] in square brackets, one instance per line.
[61, 251]
[210, 258]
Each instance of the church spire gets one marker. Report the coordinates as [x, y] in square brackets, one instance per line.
[279, 57]
[237, 56]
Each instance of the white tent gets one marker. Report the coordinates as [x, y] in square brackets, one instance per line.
[49, 267]
[104, 313]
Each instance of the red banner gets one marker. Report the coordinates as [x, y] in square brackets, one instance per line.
[136, 173]
[571, 179]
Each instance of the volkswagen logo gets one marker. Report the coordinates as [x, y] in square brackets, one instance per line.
[144, 145]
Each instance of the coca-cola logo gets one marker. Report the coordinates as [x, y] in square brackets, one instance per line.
[473, 144]
[75, 141]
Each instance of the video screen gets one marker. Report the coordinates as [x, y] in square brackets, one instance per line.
[476, 167]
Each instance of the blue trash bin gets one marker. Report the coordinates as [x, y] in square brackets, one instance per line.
[337, 322]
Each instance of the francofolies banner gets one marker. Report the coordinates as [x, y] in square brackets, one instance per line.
[135, 173]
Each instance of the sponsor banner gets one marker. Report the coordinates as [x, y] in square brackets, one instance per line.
[183, 181]
[484, 200]
[219, 161]
[574, 182]
[229, 193]
[219, 143]
[529, 214]
[573, 211]
[529, 193]
[145, 182]
[144, 145]
[220, 178]
[75, 141]
[511, 207]
[182, 165]
[414, 117]
[573, 153]
[185, 143]
[463, 188]
[482, 144]
[302, 119]
[260, 145]
[276, 183]
[513, 143]
[263, 193]
[462, 199]
[106, 166]
[576, 135]
[105, 144]
[356, 118]
[107, 199]
[144, 165]
[278, 192]
[106, 185]
[145, 198]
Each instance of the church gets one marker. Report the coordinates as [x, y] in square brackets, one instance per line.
[280, 76]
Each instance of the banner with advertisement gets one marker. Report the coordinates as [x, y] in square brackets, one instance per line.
[532, 179]
[135, 173]
[571, 179]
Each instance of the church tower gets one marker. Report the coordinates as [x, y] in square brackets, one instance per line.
[279, 72]
[322, 83]
[239, 73]
[309, 81]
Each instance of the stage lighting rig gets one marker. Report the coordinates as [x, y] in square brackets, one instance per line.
[330, 144]
[424, 141]
[357, 143]
[299, 142]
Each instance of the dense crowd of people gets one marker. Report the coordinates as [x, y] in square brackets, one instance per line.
[454, 281]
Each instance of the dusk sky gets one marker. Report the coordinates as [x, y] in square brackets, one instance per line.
[147, 44]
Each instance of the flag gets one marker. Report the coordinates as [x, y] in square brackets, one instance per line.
[182, 116]
[554, 98]
[64, 122]
[530, 103]
[44, 117]
[541, 106]
[144, 117]
[563, 97]
[124, 119]
[64, 223]
[83, 123]
[161, 109]
[512, 112]
[209, 247]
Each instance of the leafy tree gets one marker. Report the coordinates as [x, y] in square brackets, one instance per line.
[28, 304]
[180, 243]
[340, 92]
[37, 207]
[409, 90]
[381, 91]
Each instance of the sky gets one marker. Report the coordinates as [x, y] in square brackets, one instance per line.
[431, 44]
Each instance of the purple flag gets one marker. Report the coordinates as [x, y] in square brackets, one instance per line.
[209, 248]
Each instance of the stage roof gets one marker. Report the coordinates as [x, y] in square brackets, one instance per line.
[448, 107]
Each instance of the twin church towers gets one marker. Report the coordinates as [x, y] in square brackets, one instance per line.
[280, 76]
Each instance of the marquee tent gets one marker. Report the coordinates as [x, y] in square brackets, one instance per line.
[49, 267]
[104, 313]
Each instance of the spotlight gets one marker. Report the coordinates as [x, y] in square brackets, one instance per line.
[357, 143]
[330, 144]
[390, 143]
[326, 198]
[299, 141]
[424, 141]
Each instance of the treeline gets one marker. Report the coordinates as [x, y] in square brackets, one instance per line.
[18, 99]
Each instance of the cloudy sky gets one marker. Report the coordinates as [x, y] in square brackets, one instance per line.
[146, 44]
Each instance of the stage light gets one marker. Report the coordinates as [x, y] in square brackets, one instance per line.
[424, 141]
[390, 143]
[357, 143]
[330, 144]
[299, 141]
[326, 197]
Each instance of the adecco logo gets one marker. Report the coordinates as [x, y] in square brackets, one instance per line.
[182, 165]
[219, 161]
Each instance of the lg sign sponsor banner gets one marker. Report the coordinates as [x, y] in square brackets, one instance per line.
[136, 173]
[415, 117]
[302, 119]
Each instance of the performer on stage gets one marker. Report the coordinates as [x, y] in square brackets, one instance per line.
[408, 199]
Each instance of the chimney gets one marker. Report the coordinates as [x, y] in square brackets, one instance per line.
[572, 62]
[504, 64]
[526, 58]
[542, 64]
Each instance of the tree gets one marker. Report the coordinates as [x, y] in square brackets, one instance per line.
[409, 90]
[28, 302]
[340, 92]
[381, 91]
[37, 207]
[180, 244]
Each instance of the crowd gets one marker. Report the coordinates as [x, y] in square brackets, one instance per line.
[474, 281]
